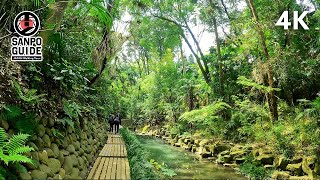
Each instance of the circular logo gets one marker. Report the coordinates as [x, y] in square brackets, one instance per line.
[26, 23]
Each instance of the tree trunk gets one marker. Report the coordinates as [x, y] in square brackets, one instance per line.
[183, 60]
[272, 100]
[219, 57]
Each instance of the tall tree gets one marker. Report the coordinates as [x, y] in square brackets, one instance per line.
[271, 97]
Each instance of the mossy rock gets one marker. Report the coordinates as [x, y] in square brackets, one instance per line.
[55, 150]
[65, 152]
[265, 159]
[218, 148]
[39, 143]
[296, 160]
[226, 158]
[75, 173]
[49, 152]
[43, 157]
[37, 174]
[230, 165]
[81, 152]
[25, 176]
[227, 152]
[46, 169]
[197, 141]
[34, 155]
[51, 122]
[62, 173]
[280, 162]
[238, 154]
[54, 165]
[295, 169]
[187, 147]
[68, 165]
[71, 149]
[299, 178]
[74, 160]
[46, 141]
[82, 174]
[240, 160]
[41, 130]
[34, 165]
[81, 163]
[56, 176]
[34, 146]
[308, 166]
[76, 145]
[280, 175]
[4, 124]
[204, 142]
[48, 131]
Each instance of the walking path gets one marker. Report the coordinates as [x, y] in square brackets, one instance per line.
[112, 162]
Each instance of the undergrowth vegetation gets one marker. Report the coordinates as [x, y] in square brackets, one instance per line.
[140, 166]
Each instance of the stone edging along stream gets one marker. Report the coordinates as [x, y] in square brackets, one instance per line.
[232, 155]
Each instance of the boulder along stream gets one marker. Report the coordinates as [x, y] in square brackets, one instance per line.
[184, 163]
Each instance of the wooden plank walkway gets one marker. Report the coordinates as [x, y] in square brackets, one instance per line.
[112, 162]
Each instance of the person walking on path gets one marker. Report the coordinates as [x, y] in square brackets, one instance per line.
[111, 122]
[117, 122]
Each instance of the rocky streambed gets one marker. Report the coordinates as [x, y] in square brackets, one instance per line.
[233, 155]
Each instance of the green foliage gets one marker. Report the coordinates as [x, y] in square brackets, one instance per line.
[12, 150]
[22, 121]
[249, 83]
[283, 142]
[253, 169]
[30, 96]
[140, 167]
[27, 124]
[163, 168]
[209, 118]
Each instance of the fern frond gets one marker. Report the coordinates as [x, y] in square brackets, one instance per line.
[22, 150]
[16, 141]
[19, 158]
[3, 137]
[3, 157]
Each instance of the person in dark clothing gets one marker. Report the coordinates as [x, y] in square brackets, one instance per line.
[117, 122]
[111, 122]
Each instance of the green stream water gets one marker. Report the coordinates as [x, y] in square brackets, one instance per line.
[184, 163]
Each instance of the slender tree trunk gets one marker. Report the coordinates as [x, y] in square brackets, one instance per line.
[183, 60]
[198, 48]
[272, 100]
[191, 103]
[219, 57]
[205, 71]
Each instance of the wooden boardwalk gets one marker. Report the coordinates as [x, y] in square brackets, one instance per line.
[112, 162]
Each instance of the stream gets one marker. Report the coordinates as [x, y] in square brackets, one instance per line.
[185, 163]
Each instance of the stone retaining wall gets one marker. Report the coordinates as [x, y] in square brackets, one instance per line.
[63, 156]
[233, 155]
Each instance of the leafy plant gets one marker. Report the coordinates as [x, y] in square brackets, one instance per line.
[253, 169]
[30, 96]
[249, 83]
[140, 167]
[12, 150]
[163, 168]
